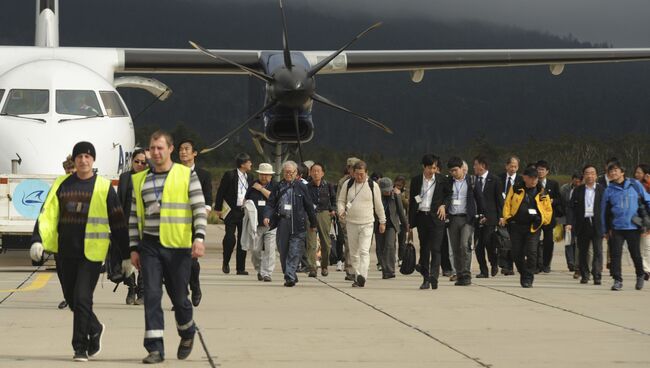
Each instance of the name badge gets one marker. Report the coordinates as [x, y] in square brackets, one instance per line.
[455, 202]
[153, 208]
[261, 203]
[418, 199]
[287, 207]
[348, 205]
[532, 211]
[589, 211]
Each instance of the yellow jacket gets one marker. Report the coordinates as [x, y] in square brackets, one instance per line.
[513, 201]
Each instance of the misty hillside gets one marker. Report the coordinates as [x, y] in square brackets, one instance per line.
[448, 109]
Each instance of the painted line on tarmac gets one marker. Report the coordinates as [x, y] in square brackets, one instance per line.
[27, 279]
[565, 310]
[425, 333]
[39, 282]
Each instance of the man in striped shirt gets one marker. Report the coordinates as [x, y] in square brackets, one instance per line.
[166, 228]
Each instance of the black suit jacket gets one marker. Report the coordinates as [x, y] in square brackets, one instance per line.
[125, 192]
[552, 188]
[576, 209]
[206, 184]
[503, 177]
[441, 195]
[228, 189]
[490, 202]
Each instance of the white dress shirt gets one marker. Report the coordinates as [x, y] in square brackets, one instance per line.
[426, 193]
[590, 197]
[242, 187]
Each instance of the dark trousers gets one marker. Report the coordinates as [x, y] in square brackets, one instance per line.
[401, 242]
[430, 233]
[524, 250]
[547, 245]
[195, 284]
[171, 266]
[291, 248]
[633, 238]
[233, 223]
[586, 237]
[505, 259]
[386, 242]
[445, 259]
[59, 273]
[486, 245]
[79, 278]
[570, 253]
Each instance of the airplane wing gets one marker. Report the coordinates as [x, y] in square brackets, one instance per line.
[191, 61]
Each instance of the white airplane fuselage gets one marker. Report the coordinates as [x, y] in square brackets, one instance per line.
[67, 74]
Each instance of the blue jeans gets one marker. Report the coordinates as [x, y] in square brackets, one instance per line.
[170, 266]
[291, 247]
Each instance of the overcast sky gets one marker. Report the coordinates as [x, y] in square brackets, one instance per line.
[623, 23]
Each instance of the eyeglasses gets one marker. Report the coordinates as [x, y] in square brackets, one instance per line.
[140, 162]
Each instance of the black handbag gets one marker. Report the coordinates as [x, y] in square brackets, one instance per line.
[502, 238]
[408, 260]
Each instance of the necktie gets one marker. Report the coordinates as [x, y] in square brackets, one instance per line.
[508, 185]
[480, 183]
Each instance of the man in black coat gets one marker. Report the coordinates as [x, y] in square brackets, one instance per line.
[583, 213]
[135, 293]
[187, 153]
[429, 198]
[232, 190]
[508, 179]
[552, 188]
[490, 210]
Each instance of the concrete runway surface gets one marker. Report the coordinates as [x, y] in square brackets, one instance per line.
[324, 322]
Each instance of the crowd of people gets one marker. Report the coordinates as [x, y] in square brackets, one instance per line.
[157, 220]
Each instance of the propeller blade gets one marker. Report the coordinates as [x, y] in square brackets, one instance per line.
[318, 98]
[285, 39]
[296, 124]
[225, 138]
[316, 68]
[252, 72]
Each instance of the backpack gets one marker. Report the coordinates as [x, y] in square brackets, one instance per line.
[408, 260]
[113, 265]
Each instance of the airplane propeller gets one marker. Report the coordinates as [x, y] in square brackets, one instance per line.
[290, 86]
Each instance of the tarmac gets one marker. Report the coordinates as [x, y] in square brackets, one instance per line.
[324, 322]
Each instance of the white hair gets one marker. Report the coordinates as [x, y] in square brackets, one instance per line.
[290, 164]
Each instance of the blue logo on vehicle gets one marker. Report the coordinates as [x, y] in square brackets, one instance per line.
[29, 196]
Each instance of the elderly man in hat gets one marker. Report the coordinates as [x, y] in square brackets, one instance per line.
[345, 264]
[80, 216]
[263, 252]
[395, 218]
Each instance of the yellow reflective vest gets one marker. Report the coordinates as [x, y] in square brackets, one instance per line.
[175, 209]
[514, 199]
[97, 235]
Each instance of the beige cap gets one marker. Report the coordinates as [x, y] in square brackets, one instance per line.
[352, 161]
[265, 168]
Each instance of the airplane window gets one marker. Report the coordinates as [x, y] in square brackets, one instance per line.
[75, 102]
[2, 93]
[112, 104]
[27, 101]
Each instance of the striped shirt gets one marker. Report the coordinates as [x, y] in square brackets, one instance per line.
[152, 192]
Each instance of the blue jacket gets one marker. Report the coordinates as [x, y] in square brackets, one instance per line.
[620, 204]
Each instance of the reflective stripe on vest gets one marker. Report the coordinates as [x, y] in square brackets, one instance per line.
[175, 210]
[97, 234]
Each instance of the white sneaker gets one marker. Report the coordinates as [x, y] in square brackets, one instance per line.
[339, 266]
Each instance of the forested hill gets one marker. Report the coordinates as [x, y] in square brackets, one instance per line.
[447, 111]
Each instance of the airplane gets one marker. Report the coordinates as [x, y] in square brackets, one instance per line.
[52, 96]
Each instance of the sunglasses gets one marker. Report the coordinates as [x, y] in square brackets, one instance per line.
[140, 162]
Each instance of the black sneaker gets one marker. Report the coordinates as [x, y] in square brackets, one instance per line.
[80, 356]
[62, 305]
[312, 273]
[95, 343]
[153, 358]
[639, 283]
[289, 283]
[361, 281]
[185, 348]
[259, 277]
[618, 285]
